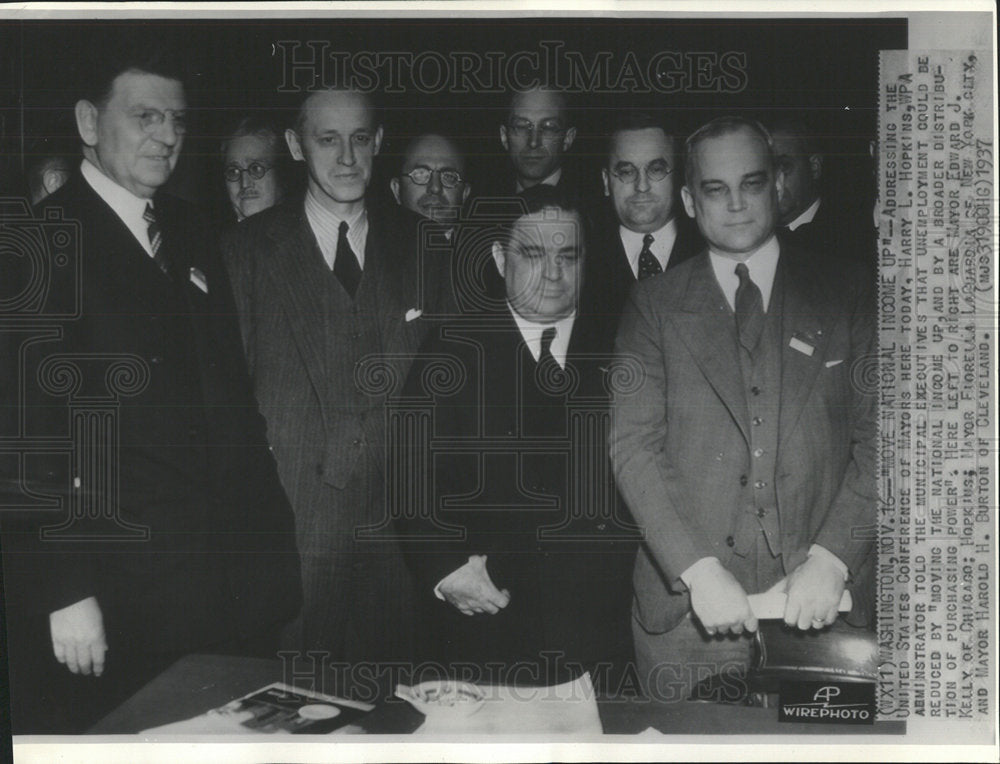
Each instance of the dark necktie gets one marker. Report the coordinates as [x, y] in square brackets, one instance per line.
[547, 362]
[345, 263]
[749, 310]
[156, 239]
[648, 264]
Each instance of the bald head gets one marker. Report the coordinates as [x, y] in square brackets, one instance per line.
[337, 136]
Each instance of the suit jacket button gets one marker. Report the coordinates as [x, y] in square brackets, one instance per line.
[156, 360]
[730, 541]
[743, 480]
[755, 390]
[761, 512]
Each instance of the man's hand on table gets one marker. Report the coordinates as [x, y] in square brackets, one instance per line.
[470, 589]
[814, 591]
[78, 637]
[717, 599]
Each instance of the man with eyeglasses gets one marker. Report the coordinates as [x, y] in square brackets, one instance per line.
[537, 131]
[432, 180]
[251, 157]
[180, 537]
[641, 233]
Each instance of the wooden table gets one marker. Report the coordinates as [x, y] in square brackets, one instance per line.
[198, 683]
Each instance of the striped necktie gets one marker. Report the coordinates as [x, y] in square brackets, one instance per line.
[156, 239]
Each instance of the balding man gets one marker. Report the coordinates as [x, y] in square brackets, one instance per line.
[432, 181]
[326, 288]
[748, 454]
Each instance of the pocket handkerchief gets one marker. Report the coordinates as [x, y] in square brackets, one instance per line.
[198, 279]
[830, 364]
[413, 314]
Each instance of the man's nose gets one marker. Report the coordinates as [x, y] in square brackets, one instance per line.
[642, 182]
[245, 180]
[166, 132]
[553, 268]
[737, 201]
[434, 185]
[347, 154]
[535, 137]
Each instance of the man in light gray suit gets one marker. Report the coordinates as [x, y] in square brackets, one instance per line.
[748, 454]
[330, 306]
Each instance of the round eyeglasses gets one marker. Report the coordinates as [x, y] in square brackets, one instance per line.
[256, 170]
[421, 176]
[655, 171]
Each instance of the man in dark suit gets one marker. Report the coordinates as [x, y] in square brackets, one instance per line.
[331, 294]
[180, 538]
[809, 219]
[748, 453]
[641, 233]
[523, 550]
[432, 180]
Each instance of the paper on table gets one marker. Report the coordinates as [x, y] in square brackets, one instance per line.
[564, 709]
[771, 604]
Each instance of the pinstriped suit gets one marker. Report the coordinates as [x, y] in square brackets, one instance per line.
[305, 340]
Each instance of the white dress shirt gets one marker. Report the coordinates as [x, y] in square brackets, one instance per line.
[762, 265]
[807, 215]
[532, 334]
[326, 227]
[125, 204]
[663, 243]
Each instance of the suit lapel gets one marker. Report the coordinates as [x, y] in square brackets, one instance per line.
[293, 269]
[805, 322]
[707, 327]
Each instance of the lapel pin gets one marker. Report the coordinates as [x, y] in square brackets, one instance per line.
[198, 279]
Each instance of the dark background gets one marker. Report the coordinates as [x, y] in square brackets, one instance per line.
[822, 69]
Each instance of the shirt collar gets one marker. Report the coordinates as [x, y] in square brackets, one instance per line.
[762, 265]
[123, 202]
[807, 215]
[663, 244]
[532, 335]
[326, 227]
[551, 180]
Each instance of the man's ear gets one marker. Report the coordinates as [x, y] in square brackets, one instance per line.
[294, 146]
[569, 138]
[503, 137]
[378, 140]
[86, 122]
[688, 200]
[394, 187]
[466, 192]
[607, 181]
[499, 258]
[816, 166]
[779, 183]
[52, 180]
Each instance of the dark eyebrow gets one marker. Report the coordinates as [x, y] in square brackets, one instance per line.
[759, 175]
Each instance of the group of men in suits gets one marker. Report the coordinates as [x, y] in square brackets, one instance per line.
[261, 454]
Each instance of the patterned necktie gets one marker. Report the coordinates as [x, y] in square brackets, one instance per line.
[749, 310]
[648, 264]
[345, 263]
[156, 239]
